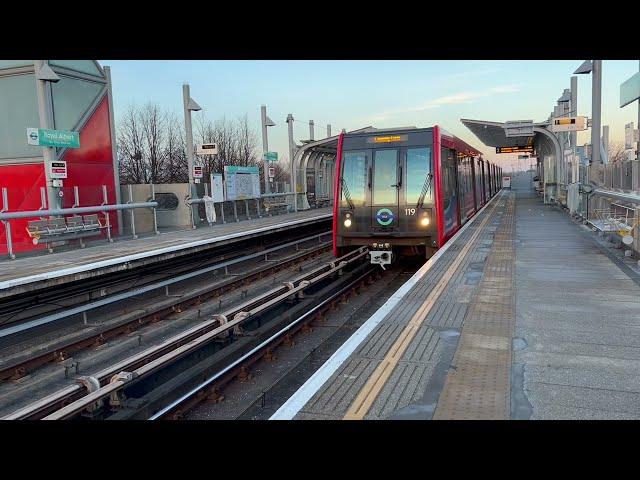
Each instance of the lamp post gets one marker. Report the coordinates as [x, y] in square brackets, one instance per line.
[189, 106]
[266, 122]
[292, 152]
[45, 75]
[595, 68]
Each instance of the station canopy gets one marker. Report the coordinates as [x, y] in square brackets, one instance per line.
[533, 135]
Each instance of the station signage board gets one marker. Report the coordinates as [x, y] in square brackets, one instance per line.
[197, 172]
[44, 137]
[523, 157]
[569, 124]
[272, 172]
[519, 128]
[207, 149]
[630, 136]
[630, 90]
[271, 156]
[58, 169]
[514, 149]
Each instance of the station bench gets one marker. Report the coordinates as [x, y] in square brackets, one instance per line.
[276, 207]
[59, 228]
[317, 202]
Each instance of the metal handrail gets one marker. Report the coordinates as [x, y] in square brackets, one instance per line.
[68, 211]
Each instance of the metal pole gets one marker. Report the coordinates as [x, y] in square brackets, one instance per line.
[114, 150]
[311, 130]
[265, 147]
[638, 146]
[574, 135]
[328, 130]
[292, 166]
[105, 201]
[133, 219]
[596, 104]
[7, 224]
[155, 216]
[48, 153]
[186, 95]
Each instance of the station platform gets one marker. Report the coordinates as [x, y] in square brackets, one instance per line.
[522, 315]
[41, 271]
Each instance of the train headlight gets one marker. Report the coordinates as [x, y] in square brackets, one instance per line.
[386, 245]
[375, 245]
[347, 222]
[425, 221]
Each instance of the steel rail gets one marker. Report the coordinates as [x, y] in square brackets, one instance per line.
[141, 290]
[184, 338]
[258, 348]
[126, 376]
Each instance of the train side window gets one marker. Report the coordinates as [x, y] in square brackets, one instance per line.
[418, 167]
[354, 173]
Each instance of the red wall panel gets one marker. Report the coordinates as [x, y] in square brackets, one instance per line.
[88, 167]
[91, 166]
[23, 184]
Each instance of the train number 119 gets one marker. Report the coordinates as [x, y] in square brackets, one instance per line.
[409, 211]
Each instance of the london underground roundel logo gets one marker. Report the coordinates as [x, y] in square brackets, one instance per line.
[384, 216]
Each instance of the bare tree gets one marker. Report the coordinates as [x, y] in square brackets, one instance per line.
[152, 145]
[616, 152]
[153, 121]
[129, 148]
[176, 165]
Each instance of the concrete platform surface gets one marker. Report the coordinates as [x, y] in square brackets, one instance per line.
[523, 316]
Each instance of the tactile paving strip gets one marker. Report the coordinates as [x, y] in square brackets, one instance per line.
[478, 383]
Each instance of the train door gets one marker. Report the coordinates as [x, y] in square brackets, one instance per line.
[386, 183]
[451, 207]
[416, 190]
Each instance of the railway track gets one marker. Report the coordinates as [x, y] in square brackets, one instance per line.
[211, 387]
[17, 309]
[57, 352]
[104, 394]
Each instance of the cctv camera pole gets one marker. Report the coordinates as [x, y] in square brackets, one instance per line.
[186, 95]
[265, 147]
[596, 104]
[292, 154]
[45, 114]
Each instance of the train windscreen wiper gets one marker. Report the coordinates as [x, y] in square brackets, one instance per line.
[425, 189]
[345, 192]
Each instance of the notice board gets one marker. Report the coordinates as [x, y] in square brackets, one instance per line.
[242, 182]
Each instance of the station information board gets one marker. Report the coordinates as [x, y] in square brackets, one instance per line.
[241, 182]
[217, 192]
[515, 149]
[58, 169]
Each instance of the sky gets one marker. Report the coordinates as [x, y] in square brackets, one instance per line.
[353, 94]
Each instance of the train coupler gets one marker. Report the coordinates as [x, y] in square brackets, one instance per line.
[381, 257]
